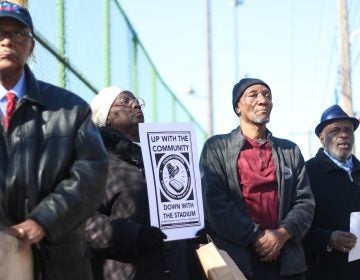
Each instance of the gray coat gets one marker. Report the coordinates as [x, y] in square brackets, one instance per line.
[225, 207]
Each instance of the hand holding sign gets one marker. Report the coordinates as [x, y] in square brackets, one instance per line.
[150, 238]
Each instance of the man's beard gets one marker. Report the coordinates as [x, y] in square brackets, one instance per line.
[262, 120]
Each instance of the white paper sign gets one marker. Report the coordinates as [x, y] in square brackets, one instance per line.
[354, 253]
[173, 178]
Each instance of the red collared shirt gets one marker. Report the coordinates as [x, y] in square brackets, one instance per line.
[257, 173]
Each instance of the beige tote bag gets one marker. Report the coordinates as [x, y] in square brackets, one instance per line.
[14, 265]
[217, 264]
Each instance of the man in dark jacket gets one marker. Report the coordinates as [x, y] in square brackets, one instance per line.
[257, 195]
[335, 181]
[52, 161]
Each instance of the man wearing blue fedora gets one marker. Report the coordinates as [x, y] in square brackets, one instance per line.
[334, 175]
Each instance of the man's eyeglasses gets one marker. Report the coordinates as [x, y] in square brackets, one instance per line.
[18, 36]
[128, 101]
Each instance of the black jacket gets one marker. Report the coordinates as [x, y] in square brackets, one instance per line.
[53, 167]
[225, 210]
[335, 197]
[113, 232]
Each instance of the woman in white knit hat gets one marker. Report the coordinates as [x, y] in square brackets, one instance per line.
[124, 244]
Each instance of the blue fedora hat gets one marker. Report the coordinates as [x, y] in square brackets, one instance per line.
[334, 113]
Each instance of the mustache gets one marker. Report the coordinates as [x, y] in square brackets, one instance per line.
[345, 143]
[8, 52]
[267, 109]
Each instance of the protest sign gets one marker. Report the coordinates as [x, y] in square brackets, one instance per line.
[173, 178]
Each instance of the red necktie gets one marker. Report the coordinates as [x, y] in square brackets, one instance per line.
[10, 107]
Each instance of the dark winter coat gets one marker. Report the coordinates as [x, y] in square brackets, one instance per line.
[53, 165]
[335, 197]
[225, 209]
[113, 232]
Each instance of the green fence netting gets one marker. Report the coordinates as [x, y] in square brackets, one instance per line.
[85, 45]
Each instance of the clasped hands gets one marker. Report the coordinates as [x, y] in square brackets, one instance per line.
[269, 243]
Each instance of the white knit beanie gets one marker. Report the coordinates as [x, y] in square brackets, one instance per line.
[101, 104]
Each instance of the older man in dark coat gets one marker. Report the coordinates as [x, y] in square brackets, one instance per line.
[335, 181]
[53, 163]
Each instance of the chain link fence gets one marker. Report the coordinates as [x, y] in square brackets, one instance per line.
[85, 45]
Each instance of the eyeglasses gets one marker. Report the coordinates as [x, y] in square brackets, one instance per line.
[18, 36]
[128, 101]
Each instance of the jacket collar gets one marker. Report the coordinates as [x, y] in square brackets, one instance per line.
[32, 92]
[122, 147]
[238, 139]
[329, 165]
